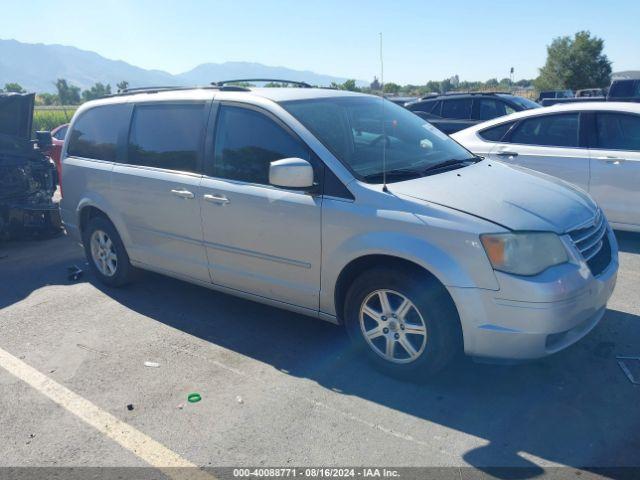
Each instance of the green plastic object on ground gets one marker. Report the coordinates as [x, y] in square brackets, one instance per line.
[194, 397]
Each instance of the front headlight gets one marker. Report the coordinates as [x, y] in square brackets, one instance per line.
[527, 253]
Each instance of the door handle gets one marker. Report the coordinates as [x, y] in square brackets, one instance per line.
[183, 193]
[612, 160]
[218, 199]
[507, 154]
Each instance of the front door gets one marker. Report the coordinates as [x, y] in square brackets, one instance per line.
[157, 190]
[548, 144]
[615, 167]
[259, 239]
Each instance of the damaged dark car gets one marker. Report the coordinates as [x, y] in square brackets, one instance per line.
[28, 177]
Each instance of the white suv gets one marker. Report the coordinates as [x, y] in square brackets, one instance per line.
[341, 206]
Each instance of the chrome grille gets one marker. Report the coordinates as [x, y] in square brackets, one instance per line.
[589, 239]
[593, 244]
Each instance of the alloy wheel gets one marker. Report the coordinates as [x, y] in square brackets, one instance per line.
[103, 253]
[392, 326]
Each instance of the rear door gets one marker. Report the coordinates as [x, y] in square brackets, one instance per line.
[615, 166]
[550, 144]
[157, 189]
[259, 238]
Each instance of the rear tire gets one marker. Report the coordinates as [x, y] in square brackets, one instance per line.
[404, 321]
[105, 252]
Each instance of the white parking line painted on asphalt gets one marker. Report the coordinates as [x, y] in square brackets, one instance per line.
[141, 445]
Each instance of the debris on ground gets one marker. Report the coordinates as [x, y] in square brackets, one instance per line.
[151, 364]
[130, 407]
[239, 399]
[622, 361]
[180, 406]
[74, 273]
[194, 397]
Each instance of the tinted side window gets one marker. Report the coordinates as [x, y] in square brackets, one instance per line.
[459, 108]
[167, 136]
[617, 131]
[495, 134]
[490, 108]
[95, 133]
[549, 130]
[246, 143]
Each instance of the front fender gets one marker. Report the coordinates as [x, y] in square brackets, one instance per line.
[442, 263]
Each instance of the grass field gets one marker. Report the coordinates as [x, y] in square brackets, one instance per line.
[48, 118]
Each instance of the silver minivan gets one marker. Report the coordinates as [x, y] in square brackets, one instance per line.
[340, 206]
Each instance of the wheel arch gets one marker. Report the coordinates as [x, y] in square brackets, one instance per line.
[88, 212]
[363, 263]
[89, 207]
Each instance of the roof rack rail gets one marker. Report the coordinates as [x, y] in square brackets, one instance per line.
[476, 92]
[271, 80]
[452, 94]
[150, 89]
[135, 90]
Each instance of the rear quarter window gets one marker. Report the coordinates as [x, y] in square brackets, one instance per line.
[495, 134]
[95, 132]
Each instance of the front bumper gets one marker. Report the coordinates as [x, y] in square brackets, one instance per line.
[535, 316]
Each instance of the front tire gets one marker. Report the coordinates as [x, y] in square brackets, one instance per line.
[404, 321]
[105, 252]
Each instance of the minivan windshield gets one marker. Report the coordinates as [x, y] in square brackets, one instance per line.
[360, 130]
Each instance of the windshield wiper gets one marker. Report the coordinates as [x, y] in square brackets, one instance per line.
[450, 164]
[396, 174]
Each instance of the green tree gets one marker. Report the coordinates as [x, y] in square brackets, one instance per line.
[67, 94]
[14, 87]
[99, 90]
[391, 87]
[575, 63]
[433, 86]
[491, 83]
[123, 85]
[446, 86]
[350, 85]
[347, 85]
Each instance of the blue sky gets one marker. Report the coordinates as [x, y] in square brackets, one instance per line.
[423, 40]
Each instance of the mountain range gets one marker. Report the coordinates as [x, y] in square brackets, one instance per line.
[37, 66]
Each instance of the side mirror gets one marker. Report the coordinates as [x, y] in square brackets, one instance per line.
[291, 173]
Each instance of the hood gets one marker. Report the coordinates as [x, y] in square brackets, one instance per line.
[516, 198]
[16, 114]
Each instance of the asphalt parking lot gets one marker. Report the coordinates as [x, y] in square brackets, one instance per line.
[280, 389]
